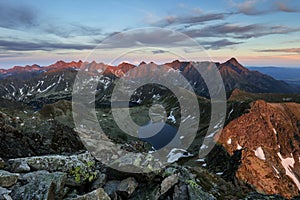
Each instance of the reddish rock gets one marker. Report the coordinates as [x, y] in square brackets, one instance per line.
[269, 139]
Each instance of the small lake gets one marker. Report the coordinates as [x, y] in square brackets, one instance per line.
[162, 138]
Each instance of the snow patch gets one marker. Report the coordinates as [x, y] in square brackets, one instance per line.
[274, 131]
[203, 146]
[239, 147]
[175, 154]
[229, 141]
[260, 153]
[171, 117]
[288, 164]
[200, 160]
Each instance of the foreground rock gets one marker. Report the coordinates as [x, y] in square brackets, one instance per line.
[8, 179]
[79, 168]
[127, 187]
[25, 135]
[98, 194]
[40, 185]
[268, 138]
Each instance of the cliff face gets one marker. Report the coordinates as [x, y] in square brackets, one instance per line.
[268, 137]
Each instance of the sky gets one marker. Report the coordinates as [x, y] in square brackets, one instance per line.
[256, 32]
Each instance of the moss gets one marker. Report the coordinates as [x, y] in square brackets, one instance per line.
[192, 183]
[84, 174]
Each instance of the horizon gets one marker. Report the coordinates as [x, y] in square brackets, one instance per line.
[136, 63]
[257, 33]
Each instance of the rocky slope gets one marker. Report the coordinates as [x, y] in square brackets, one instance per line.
[268, 139]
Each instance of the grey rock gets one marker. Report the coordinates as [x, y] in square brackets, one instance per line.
[256, 196]
[98, 194]
[41, 185]
[99, 181]
[180, 192]
[147, 192]
[111, 187]
[196, 193]
[137, 162]
[168, 183]
[8, 179]
[4, 194]
[127, 187]
[18, 165]
[78, 167]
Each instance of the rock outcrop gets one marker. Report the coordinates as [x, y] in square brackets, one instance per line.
[268, 138]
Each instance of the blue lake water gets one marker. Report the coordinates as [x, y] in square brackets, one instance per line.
[162, 138]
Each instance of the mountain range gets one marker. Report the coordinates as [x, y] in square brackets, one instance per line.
[36, 85]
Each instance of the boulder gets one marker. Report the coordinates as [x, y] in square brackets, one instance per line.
[79, 168]
[137, 162]
[150, 191]
[195, 192]
[40, 185]
[99, 181]
[18, 165]
[168, 183]
[98, 194]
[180, 192]
[4, 194]
[8, 179]
[127, 187]
[111, 187]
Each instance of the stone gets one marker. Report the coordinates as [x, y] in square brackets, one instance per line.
[18, 165]
[98, 194]
[168, 183]
[148, 191]
[99, 181]
[111, 187]
[195, 192]
[127, 187]
[8, 179]
[78, 167]
[41, 185]
[137, 162]
[4, 193]
[180, 192]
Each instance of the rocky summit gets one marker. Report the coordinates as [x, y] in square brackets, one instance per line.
[42, 156]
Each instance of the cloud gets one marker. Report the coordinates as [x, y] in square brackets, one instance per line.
[159, 51]
[256, 7]
[19, 16]
[189, 20]
[215, 45]
[16, 15]
[149, 37]
[41, 45]
[70, 30]
[285, 50]
[10, 54]
[280, 6]
[239, 31]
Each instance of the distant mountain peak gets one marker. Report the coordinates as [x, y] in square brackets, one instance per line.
[142, 63]
[234, 65]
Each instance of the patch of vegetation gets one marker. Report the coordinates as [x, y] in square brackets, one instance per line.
[84, 174]
[192, 183]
